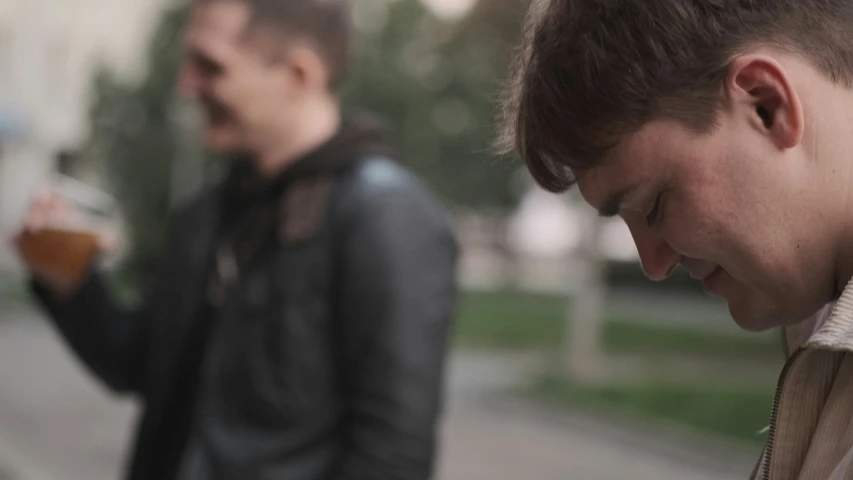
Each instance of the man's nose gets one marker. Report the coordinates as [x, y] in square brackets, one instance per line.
[656, 256]
[189, 81]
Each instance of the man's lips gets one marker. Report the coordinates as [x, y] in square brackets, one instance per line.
[710, 281]
[702, 276]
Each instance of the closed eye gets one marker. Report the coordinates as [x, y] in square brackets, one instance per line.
[654, 215]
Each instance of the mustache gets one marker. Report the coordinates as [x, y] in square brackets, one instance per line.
[214, 108]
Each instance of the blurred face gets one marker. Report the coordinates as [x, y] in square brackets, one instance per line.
[742, 208]
[246, 91]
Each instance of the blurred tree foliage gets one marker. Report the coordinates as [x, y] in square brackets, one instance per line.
[434, 82]
[437, 82]
[135, 141]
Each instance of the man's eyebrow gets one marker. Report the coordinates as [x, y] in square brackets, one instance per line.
[612, 205]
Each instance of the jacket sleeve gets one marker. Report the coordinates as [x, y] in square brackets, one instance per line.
[110, 341]
[113, 341]
[398, 296]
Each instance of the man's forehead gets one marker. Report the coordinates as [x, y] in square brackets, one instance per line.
[617, 179]
[604, 187]
[224, 19]
[636, 159]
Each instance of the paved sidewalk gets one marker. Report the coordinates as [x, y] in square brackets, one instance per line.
[489, 436]
[56, 423]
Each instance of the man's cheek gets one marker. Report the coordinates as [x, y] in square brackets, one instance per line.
[690, 240]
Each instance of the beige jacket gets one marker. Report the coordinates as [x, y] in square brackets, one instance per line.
[811, 431]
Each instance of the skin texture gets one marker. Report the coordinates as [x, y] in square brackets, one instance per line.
[759, 206]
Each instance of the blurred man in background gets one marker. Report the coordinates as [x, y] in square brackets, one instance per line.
[297, 327]
[720, 132]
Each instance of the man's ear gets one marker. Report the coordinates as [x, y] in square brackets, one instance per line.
[308, 68]
[300, 60]
[758, 87]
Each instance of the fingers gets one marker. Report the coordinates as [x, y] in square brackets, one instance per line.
[47, 208]
[107, 242]
[36, 213]
[60, 258]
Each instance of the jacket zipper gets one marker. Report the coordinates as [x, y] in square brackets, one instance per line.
[774, 413]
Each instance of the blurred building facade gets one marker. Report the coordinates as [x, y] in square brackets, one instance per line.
[49, 50]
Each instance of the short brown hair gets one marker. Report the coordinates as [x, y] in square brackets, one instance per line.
[588, 72]
[326, 24]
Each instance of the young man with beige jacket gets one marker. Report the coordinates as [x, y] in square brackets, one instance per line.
[720, 131]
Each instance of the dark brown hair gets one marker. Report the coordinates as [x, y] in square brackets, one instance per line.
[589, 72]
[326, 24]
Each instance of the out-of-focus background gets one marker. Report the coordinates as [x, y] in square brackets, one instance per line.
[567, 362]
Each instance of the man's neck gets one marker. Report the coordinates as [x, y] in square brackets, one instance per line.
[844, 270]
[312, 131]
[832, 152]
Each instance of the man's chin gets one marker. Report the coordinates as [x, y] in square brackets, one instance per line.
[754, 319]
[750, 317]
[753, 324]
[219, 141]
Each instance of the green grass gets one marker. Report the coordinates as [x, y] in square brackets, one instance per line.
[625, 336]
[514, 320]
[733, 412]
[509, 320]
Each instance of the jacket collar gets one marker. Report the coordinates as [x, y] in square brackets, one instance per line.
[836, 333]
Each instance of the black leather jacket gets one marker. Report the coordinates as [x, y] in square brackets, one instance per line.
[325, 362]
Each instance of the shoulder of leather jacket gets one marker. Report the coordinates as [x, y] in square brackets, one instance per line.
[372, 180]
[305, 205]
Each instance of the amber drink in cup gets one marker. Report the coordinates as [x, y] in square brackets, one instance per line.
[69, 243]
